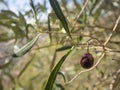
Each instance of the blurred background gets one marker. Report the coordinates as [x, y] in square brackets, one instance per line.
[21, 20]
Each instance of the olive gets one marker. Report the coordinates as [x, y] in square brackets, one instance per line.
[87, 61]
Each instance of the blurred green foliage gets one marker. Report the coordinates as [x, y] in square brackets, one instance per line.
[32, 70]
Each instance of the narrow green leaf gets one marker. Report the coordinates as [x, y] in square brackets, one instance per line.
[23, 50]
[53, 61]
[62, 74]
[60, 15]
[54, 72]
[59, 86]
[23, 23]
[7, 14]
[1, 86]
[22, 18]
[34, 11]
[33, 7]
[49, 29]
[63, 48]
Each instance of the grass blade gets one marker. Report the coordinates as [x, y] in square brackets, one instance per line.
[60, 15]
[54, 72]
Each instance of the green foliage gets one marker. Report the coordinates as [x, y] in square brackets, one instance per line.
[63, 48]
[45, 32]
[24, 49]
[1, 86]
[54, 72]
[49, 28]
[13, 22]
[60, 15]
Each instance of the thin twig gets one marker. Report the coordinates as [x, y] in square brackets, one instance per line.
[98, 46]
[26, 66]
[97, 41]
[105, 78]
[87, 69]
[79, 14]
[114, 28]
[117, 21]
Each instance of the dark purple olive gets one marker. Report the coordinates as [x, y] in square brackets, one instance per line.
[87, 61]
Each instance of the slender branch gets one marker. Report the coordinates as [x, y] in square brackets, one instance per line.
[87, 69]
[105, 78]
[114, 28]
[26, 66]
[115, 81]
[79, 14]
[98, 46]
[117, 21]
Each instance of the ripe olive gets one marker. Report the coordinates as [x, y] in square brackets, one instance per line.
[87, 61]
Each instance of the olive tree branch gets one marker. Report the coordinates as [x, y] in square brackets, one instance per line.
[101, 57]
[85, 4]
[114, 28]
[86, 70]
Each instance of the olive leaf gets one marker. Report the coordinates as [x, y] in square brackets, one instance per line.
[60, 86]
[23, 22]
[63, 48]
[62, 74]
[49, 28]
[60, 15]
[23, 50]
[54, 72]
[1, 86]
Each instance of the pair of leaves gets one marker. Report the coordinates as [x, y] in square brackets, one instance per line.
[23, 50]
[54, 72]
[60, 15]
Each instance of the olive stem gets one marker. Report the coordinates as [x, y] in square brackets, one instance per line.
[95, 46]
[114, 28]
[86, 70]
[97, 41]
[87, 47]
